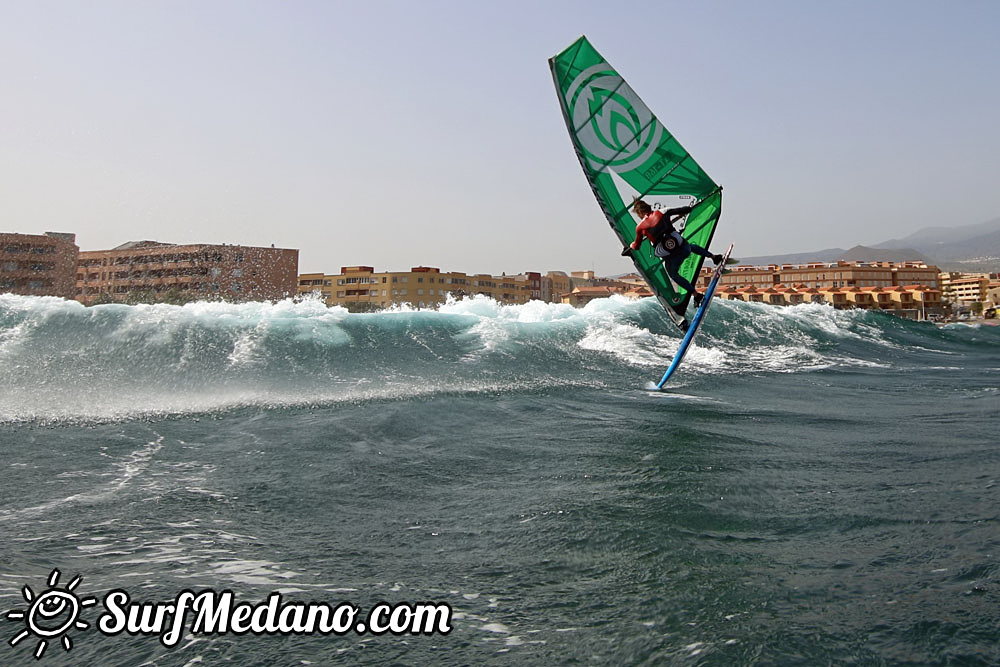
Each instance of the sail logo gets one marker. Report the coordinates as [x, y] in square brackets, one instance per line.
[615, 129]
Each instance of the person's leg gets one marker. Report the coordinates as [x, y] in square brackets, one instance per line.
[698, 250]
[673, 265]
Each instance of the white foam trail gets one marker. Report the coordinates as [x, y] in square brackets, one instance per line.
[253, 572]
[157, 406]
[130, 468]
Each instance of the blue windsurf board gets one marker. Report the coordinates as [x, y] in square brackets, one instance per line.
[697, 319]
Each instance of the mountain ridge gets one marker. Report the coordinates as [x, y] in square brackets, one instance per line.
[968, 248]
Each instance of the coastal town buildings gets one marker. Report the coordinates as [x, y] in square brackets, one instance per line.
[907, 289]
[38, 264]
[918, 302]
[155, 271]
[361, 288]
[829, 274]
[150, 271]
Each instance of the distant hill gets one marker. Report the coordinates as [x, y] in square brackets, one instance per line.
[828, 255]
[966, 248]
[860, 253]
[936, 235]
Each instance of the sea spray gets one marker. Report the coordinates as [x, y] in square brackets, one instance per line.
[64, 361]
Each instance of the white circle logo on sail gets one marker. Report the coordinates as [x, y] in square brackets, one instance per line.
[614, 127]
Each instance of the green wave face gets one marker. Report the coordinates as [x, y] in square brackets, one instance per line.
[626, 152]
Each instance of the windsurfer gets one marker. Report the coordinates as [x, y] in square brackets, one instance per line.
[668, 244]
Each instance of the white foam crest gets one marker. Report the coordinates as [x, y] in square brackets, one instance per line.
[152, 326]
[165, 318]
[492, 334]
[18, 303]
[629, 343]
[615, 303]
[798, 352]
[600, 321]
[159, 325]
[787, 334]
[780, 359]
[859, 363]
[495, 325]
[12, 338]
[798, 320]
[707, 358]
[482, 306]
[35, 310]
[767, 322]
[496, 627]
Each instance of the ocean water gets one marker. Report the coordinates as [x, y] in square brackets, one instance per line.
[815, 487]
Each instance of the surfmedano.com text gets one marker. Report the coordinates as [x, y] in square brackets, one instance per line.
[213, 613]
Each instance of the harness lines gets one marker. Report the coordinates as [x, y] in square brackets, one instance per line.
[668, 239]
[669, 244]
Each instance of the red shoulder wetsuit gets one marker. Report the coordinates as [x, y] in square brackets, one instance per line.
[645, 228]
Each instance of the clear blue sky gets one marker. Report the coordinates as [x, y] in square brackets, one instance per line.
[428, 131]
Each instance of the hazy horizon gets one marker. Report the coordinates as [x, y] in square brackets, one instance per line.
[373, 133]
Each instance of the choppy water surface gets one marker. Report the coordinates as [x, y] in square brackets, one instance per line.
[816, 487]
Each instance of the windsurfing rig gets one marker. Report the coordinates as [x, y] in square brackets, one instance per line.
[626, 152]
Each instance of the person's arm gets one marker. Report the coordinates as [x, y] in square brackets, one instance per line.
[640, 231]
[676, 213]
[638, 238]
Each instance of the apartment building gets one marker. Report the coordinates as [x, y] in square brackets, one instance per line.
[535, 282]
[917, 273]
[833, 274]
[758, 276]
[505, 289]
[155, 271]
[38, 264]
[912, 301]
[839, 274]
[361, 288]
[554, 285]
[965, 288]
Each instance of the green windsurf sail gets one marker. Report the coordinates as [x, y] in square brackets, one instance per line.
[626, 152]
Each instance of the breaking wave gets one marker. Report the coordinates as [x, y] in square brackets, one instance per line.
[60, 360]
